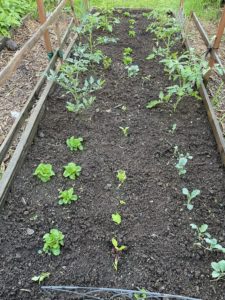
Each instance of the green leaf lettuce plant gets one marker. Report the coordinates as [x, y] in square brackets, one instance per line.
[53, 242]
[67, 197]
[72, 170]
[44, 172]
[75, 144]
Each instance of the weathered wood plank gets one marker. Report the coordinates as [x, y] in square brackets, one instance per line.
[26, 138]
[25, 111]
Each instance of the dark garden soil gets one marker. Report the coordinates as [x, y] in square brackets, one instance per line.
[155, 224]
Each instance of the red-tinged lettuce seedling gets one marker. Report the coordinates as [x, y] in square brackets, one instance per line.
[44, 172]
[72, 170]
[53, 242]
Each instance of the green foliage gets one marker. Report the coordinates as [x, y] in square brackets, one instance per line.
[218, 269]
[182, 161]
[53, 242]
[127, 60]
[201, 231]
[132, 33]
[125, 130]
[40, 278]
[11, 13]
[190, 197]
[104, 40]
[67, 196]
[75, 144]
[126, 14]
[121, 176]
[141, 296]
[173, 128]
[107, 62]
[132, 22]
[117, 247]
[132, 70]
[117, 218]
[127, 51]
[162, 98]
[44, 172]
[72, 170]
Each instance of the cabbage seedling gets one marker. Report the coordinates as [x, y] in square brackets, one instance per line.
[125, 130]
[121, 176]
[67, 196]
[75, 144]
[213, 245]
[117, 218]
[218, 269]
[72, 170]
[40, 278]
[53, 242]
[190, 197]
[44, 172]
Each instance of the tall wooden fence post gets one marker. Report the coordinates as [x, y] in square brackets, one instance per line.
[42, 18]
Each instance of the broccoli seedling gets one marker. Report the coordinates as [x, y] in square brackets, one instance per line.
[44, 172]
[121, 176]
[213, 245]
[132, 70]
[72, 170]
[127, 51]
[53, 242]
[40, 278]
[201, 231]
[117, 218]
[190, 197]
[218, 269]
[125, 130]
[132, 33]
[127, 60]
[180, 166]
[75, 144]
[67, 196]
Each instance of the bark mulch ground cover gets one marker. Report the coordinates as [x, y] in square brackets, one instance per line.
[155, 224]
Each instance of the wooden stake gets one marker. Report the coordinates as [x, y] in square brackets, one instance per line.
[42, 19]
[76, 21]
[218, 38]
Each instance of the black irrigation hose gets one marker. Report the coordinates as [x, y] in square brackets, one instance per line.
[86, 293]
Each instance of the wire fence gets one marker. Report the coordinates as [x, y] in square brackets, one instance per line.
[93, 293]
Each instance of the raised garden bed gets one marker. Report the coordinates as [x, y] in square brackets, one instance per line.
[155, 225]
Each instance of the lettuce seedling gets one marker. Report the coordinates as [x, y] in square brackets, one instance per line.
[126, 14]
[104, 40]
[180, 166]
[121, 176]
[72, 170]
[44, 172]
[75, 144]
[125, 130]
[218, 269]
[71, 107]
[142, 295]
[117, 218]
[67, 196]
[40, 278]
[132, 22]
[127, 60]
[190, 197]
[132, 33]
[107, 62]
[53, 242]
[127, 51]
